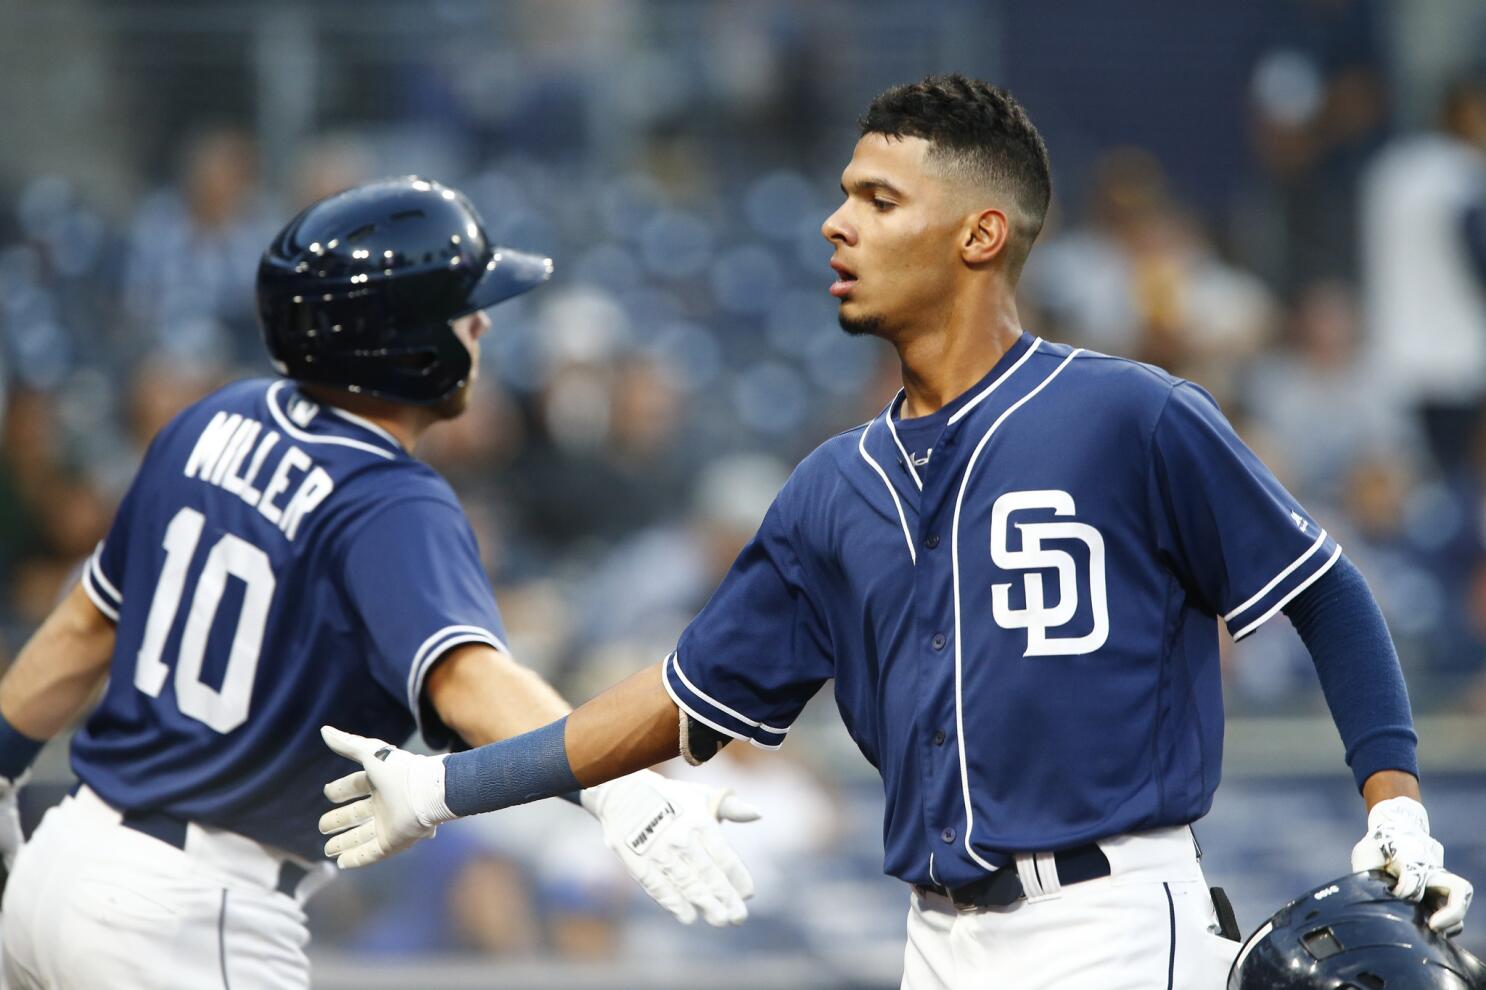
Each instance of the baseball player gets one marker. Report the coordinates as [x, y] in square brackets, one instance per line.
[282, 561]
[1015, 575]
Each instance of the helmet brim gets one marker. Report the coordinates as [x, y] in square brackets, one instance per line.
[508, 273]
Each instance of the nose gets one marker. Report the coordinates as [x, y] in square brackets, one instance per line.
[836, 229]
[482, 323]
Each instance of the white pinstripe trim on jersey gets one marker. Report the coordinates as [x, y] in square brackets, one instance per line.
[103, 582]
[1259, 596]
[665, 682]
[862, 448]
[676, 663]
[364, 423]
[1290, 595]
[954, 546]
[96, 593]
[303, 437]
[436, 646]
[965, 409]
[907, 459]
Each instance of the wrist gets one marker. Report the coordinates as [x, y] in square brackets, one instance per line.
[17, 750]
[426, 792]
[1401, 810]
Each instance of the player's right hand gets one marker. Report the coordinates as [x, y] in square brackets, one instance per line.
[11, 836]
[402, 800]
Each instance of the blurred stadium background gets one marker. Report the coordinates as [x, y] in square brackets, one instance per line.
[1284, 200]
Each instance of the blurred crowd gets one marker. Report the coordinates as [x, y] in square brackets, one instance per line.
[636, 416]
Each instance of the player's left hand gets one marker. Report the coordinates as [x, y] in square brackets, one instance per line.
[1398, 842]
[402, 800]
[11, 836]
[666, 832]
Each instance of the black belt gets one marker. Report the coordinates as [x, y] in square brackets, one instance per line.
[172, 832]
[1003, 888]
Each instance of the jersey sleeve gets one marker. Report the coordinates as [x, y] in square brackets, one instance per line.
[413, 574]
[1224, 522]
[103, 573]
[758, 651]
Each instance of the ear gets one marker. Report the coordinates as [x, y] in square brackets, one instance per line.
[985, 237]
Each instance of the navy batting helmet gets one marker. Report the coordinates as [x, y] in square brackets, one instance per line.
[360, 289]
[1352, 934]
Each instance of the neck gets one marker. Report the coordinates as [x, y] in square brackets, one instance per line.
[406, 422]
[942, 363]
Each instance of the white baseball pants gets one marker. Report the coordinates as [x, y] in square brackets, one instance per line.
[92, 903]
[1149, 925]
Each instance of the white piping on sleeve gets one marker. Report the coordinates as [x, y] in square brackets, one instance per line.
[103, 582]
[676, 664]
[436, 646]
[99, 600]
[665, 682]
[1288, 597]
[1259, 596]
[897, 504]
[954, 545]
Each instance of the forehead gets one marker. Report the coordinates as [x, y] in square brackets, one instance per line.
[901, 161]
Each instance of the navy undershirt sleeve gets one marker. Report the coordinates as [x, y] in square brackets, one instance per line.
[1342, 626]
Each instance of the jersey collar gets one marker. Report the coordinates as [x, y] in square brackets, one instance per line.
[309, 421]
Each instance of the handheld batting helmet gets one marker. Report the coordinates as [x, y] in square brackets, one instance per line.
[360, 289]
[1352, 934]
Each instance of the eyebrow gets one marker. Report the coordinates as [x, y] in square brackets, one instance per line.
[873, 184]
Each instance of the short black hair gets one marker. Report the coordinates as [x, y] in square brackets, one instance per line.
[977, 130]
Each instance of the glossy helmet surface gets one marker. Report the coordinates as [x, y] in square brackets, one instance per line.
[359, 290]
[1352, 934]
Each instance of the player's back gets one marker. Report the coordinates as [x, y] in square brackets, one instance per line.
[239, 633]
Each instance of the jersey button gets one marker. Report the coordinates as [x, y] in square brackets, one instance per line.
[948, 835]
[938, 641]
[931, 541]
[938, 737]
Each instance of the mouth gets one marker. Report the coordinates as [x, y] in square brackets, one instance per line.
[845, 280]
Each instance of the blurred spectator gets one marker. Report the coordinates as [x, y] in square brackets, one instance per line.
[1321, 381]
[1143, 281]
[193, 254]
[1317, 110]
[1425, 304]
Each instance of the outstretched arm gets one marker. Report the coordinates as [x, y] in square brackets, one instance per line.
[1342, 627]
[664, 831]
[48, 685]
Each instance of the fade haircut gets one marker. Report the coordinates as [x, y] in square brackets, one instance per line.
[978, 133]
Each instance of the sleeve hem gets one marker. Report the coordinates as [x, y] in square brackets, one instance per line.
[103, 593]
[433, 648]
[1301, 574]
[1384, 749]
[714, 714]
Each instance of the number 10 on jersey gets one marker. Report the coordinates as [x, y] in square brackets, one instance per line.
[227, 708]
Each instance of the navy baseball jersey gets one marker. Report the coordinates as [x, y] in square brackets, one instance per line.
[277, 565]
[1018, 599]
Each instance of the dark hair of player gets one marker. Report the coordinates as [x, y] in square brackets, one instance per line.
[979, 132]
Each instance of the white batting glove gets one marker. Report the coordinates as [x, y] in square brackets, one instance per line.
[11, 836]
[402, 800]
[666, 833]
[1398, 842]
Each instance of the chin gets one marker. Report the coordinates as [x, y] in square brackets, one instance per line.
[859, 324]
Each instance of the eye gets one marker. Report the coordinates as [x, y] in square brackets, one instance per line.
[882, 205]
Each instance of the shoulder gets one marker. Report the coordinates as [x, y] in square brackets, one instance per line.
[1112, 387]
